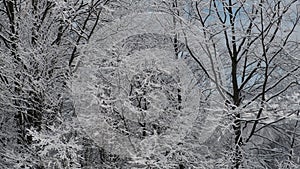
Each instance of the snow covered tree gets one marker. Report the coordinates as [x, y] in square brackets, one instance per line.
[253, 60]
[39, 41]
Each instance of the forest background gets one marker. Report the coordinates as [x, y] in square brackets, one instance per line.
[149, 84]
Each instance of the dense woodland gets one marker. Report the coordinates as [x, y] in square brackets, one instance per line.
[142, 84]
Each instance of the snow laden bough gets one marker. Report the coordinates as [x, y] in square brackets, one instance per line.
[140, 98]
